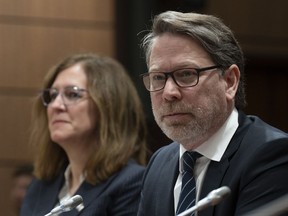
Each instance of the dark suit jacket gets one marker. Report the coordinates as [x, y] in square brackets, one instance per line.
[254, 166]
[119, 195]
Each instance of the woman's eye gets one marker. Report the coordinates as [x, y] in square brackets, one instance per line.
[53, 95]
[73, 95]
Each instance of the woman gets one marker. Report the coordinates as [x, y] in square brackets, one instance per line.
[89, 132]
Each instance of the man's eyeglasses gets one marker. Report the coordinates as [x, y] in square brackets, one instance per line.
[186, 77]
[70, 95]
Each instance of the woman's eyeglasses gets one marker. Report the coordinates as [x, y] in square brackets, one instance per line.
[70, 95]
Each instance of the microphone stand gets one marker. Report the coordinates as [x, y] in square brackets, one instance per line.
[188, 211]
[213, 198]
[66, 206]
[198, 207]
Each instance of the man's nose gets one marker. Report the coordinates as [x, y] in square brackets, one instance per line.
[171, 90]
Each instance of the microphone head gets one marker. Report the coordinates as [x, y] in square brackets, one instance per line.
[76, 200]
[67, 205]
[223, 191]
[219, 194]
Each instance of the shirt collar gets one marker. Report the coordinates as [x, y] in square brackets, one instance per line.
[67, 174]
[216, 145]
[64, 192]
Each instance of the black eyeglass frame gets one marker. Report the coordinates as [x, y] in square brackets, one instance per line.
[171, 74]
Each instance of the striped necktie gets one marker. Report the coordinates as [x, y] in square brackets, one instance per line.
[188, 190]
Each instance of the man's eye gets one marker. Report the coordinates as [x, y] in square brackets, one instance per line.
[158, 77]
[186, 73]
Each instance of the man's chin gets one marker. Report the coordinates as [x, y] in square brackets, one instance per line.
[175, 134]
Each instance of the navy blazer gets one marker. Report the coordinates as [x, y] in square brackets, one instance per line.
[119, 195]
[254, 166]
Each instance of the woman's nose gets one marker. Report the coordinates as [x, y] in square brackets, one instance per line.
[58, 101]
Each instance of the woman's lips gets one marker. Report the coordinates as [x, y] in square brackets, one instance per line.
[59, 121]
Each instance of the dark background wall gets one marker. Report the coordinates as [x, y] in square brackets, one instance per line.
[260, 28]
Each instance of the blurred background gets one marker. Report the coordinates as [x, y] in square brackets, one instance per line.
[34, 35]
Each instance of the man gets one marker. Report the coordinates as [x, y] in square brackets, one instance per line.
[196, 86]
[22, 178]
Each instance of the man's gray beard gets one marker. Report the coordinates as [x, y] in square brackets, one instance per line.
[185, 134]
[204, 122]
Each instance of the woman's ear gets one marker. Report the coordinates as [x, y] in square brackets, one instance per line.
[232, 78]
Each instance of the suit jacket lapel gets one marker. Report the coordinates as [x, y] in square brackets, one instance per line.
[166, 178]
[49, 197]
[213, 181]
[217, 170]
[89, 193]
[171, 173]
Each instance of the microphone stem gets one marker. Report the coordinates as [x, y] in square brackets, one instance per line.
[188, 211]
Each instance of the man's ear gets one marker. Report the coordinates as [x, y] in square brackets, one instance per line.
[232, 79]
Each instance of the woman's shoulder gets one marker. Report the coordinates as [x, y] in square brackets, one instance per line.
[131, 172]
[132, 168]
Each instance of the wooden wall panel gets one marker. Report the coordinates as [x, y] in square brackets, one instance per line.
[34, 36]
[26, 56]
[6, 186]
[98, 10]
[15, 113]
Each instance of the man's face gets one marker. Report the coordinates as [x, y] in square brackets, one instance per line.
[18, 192]
[187, 115]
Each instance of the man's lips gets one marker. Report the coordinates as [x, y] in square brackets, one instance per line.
[175, 115]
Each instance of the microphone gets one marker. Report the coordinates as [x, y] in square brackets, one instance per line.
[67, 205]
[213, 198]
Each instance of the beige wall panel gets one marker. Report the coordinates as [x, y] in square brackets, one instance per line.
[101, 10]
[15, 118]
[259, 25]
[26, 52]
[6, 186]
[7, 169]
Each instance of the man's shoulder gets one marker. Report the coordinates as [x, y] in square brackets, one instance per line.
[168, 150]
[254, 126]
[256, 136]
[164, 154]
[262, 129]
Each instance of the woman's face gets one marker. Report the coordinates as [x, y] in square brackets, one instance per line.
[71, 113]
